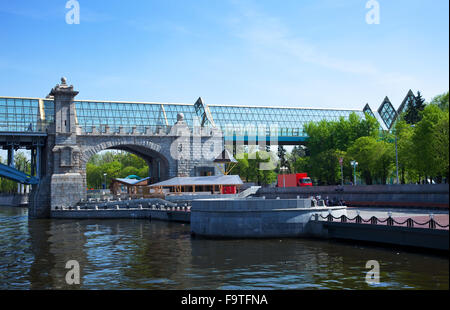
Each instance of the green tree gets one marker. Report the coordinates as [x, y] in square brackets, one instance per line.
[441, 143]
[441, 101]
[430, 141]
[326, 171]
[94, 175]
[249, 168]
[115, 165]
[412, 115]
[143, 172]
[129, 170]
[383, 163]
[363, 152]
[328, 139]
[22, 163]
[405, 150]
[297, 152]
[242, 168]
[302, 165]
[112, 169]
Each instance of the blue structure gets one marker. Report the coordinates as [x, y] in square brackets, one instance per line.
[17, 176]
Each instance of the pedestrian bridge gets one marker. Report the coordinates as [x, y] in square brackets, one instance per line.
[30, 115]
[35, 115]
[63, 133]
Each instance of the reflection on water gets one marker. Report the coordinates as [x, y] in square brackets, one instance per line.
[139, 254]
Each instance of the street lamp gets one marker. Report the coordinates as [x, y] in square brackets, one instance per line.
[104, 174]
[283, 171]
[354, 164]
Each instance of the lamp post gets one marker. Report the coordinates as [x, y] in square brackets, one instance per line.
[104, 174]
[354, 164]
[283, 171]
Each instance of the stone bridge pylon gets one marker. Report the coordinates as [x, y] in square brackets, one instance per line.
[169, 152]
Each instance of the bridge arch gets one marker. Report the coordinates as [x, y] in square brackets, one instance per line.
[157, 155]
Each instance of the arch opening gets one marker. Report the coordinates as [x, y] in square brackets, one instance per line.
[104, 168]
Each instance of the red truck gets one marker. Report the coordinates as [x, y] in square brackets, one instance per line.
[294, 180]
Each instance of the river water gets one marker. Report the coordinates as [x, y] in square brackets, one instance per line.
[140, 254]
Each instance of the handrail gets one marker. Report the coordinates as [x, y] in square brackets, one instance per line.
[390, 221]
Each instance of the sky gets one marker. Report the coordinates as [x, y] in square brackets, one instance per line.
[292, 53]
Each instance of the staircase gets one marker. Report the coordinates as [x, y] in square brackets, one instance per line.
[249, 191]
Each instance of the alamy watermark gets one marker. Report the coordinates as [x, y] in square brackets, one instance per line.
[373, 275]
[73, 15]
[73, 275]
[207, 143]
[373, 15]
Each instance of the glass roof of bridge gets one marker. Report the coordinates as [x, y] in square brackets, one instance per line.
[115, 114]
[19, 114]
[34, 114]
[290, 121]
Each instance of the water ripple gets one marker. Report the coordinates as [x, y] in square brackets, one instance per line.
[139, 254]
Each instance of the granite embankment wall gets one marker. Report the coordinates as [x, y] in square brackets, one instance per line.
[154, 209]
[14, 200]
[162, 215]
[420, 238]
[408, 196]
[255, 218]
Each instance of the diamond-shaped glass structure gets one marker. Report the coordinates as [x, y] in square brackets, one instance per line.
[368, 110]
[409, 99]
[387, 113]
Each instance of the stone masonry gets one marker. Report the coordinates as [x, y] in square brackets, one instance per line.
[169, 152]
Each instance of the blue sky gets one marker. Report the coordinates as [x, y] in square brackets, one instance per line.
[319, 53]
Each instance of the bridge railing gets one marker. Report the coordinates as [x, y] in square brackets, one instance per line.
[389, 221]
[126, 130]
[141, 130]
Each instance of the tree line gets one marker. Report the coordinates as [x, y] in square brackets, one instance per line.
[421, 135]
[115, 165]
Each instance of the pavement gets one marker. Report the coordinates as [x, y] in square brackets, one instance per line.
[419, 216]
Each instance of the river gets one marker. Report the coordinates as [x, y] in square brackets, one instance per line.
[142, 254]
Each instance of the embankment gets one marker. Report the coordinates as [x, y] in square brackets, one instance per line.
[434, 196]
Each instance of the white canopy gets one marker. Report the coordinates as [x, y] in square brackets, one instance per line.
[199, 181]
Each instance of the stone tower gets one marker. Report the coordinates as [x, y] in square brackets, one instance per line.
[61, 183]
[66, 181]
